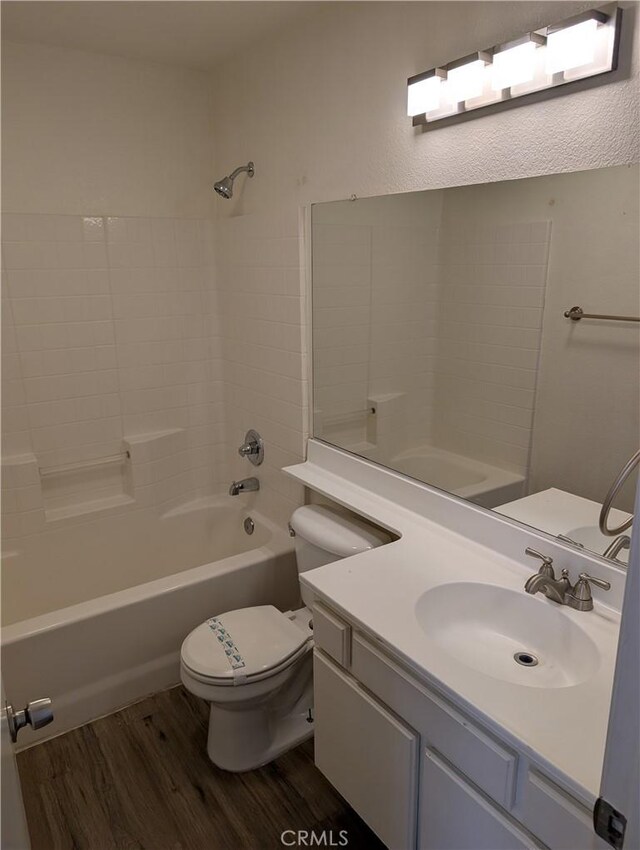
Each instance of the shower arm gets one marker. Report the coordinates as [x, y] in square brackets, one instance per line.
[242, 168]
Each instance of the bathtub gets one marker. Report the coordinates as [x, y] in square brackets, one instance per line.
[100, 611]
[482, 483]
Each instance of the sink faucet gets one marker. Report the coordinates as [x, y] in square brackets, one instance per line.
[247, 485]
[616, 546]
[561, 590]
[545, 579]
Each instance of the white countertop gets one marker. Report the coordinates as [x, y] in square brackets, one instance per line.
[559, 512]
[562, 729]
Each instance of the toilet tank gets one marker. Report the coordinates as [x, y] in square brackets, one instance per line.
[325, 534]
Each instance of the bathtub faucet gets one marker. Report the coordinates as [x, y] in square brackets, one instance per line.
[247, 485]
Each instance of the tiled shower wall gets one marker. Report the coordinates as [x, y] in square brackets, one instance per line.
[110, 334]
[258, 271]
[375, 268]
[492, 288]
[434, 326]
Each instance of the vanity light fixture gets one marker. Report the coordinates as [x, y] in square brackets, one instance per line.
[515, 63]
[582, 46]
[466, 77]
[423, 94]
[574, 45]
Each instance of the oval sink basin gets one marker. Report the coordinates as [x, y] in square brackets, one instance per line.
[485, 627]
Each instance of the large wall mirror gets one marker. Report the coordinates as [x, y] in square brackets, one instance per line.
[441, 347]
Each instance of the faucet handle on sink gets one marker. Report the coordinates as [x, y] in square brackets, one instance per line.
[579, 597]
[546, 568]
[599, 582]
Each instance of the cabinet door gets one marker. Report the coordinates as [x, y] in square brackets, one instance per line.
[453, 816]
[367, 754]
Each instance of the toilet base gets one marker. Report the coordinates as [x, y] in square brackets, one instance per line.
[243, 737]
[255, 741]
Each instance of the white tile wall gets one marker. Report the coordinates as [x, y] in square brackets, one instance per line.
[492, 292]
[258, 269]
[110, 330]
[375, 293]
[437, 326]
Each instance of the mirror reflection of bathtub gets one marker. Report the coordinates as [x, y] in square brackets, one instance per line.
[481, 483]
[444, 345]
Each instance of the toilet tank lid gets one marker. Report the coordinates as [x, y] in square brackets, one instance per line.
[335, 531]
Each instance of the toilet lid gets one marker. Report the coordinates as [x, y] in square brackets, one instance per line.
[241, 644]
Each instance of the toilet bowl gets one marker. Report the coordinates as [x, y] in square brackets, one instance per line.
[254, 665]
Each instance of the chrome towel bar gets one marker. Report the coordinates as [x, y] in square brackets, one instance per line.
[84, 464]
[577, 313]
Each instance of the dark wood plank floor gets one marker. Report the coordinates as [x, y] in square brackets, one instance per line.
[141, 779]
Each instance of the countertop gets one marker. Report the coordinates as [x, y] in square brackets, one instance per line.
[562, 729]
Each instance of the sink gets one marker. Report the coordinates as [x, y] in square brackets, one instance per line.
[485, 627]
[591, 538]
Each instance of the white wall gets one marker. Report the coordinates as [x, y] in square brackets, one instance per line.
[321, 110]
[89, 134]
[109, 316]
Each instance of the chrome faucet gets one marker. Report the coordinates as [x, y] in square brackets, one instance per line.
[247, 485]
[561, 590]
[616, 546]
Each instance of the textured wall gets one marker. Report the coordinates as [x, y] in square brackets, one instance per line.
[321, 110]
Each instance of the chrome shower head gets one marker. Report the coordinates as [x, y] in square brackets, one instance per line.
[224, 187]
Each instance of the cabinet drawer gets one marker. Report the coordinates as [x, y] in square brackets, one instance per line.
[491, 766]
[455, 816]
[366, 753]
[332, 634]
[557, 818]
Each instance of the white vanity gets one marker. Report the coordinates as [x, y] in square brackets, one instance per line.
[424, 720]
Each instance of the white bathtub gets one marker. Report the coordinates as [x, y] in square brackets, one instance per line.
[101, 610]
[481, 483]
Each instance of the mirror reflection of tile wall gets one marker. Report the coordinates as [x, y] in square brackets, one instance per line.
[440, 348]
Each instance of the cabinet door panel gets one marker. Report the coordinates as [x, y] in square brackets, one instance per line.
[331, 634]
[453, 816]
[367, 754]
[487, 763]
[556, 817]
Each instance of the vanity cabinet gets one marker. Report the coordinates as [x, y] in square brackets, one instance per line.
[420, 772]
[455, 816]
[367, 754]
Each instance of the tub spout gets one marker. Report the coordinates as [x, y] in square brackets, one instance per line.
[247, 485]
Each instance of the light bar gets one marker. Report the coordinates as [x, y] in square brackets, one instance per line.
[515, 63]
[582, 46]
[465, 78]
[572, 47]
[423, 95]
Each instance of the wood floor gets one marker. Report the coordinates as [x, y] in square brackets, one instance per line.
[141, 778]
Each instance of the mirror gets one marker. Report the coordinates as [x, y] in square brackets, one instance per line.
[441, 348]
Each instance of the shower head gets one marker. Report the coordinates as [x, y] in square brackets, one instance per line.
[224, 187]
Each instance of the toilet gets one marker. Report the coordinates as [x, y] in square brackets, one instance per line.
[254, 665]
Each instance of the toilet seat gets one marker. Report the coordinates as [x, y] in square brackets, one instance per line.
[243, 646]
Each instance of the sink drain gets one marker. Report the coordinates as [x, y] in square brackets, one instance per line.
[526, 659]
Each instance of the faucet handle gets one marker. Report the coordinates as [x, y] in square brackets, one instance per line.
[579, 596]
[599, 582]
[546, 568]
